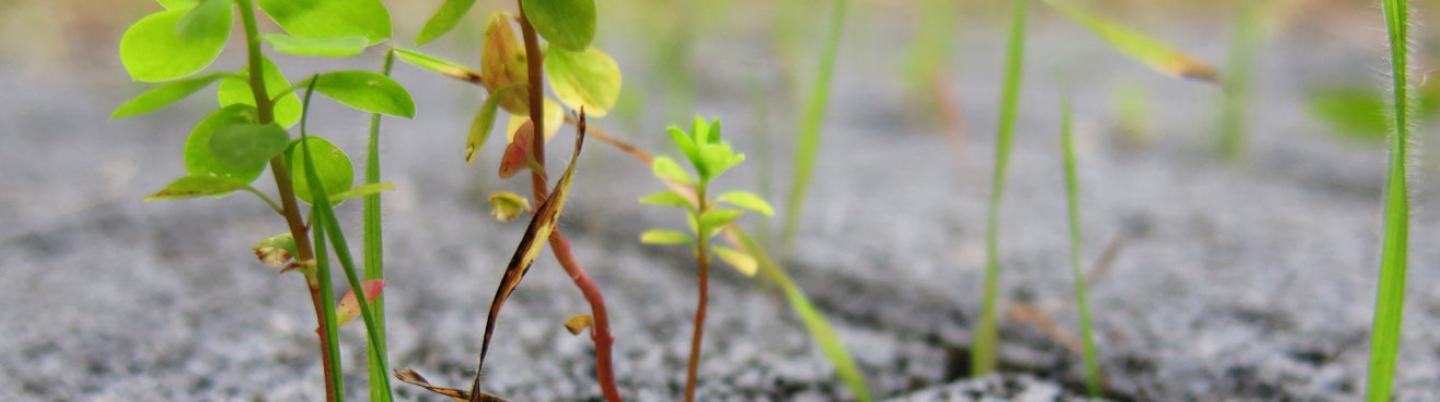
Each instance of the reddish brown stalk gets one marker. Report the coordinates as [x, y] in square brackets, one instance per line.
[702, 260]
[324, 337]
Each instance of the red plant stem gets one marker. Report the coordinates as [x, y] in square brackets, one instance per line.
[600, 332]
[325, 357]
[702, 260]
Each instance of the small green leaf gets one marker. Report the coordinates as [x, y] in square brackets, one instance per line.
[366, 91]
[506, 206]
[687, 146]
[200, 161]
[482, 124]
[196, 186]
[667, 199]
[345, 46]
[588, 79]
[205, 15]
[329, 19]
[701, 133]
[748, 201]
[363, 190]
[716, 217]
[287, 108]
[161, 96]
[444, 19]
[741, 261]
[662, 237]
[247, 145]
[436, 64]
[566, 23]
[717, 158]
[276, 251]
[331, 164]
[666, 169]
[154, 50]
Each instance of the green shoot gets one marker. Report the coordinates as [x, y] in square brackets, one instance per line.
[807, 146]
[1072, 197]
[327, 303]
[1390, 297]
[710, 156]
[1243, 45]
[984, 353]
[1139, 46]
[374, 242]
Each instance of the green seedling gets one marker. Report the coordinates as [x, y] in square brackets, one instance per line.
[1244, 42]
[1359, 114]
[710, 156]
[807, 144]
[513, 69]
[230, 148]
[1390, 297]
[1093, 380]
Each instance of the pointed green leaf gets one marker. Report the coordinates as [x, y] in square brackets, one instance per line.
[196, 186]
[687, 146]
[345, 46]
[200, 161]
[331, 163]
[741, 261]
[287, 108]
[1139, 46]
[714, 218]
[566, 23]
[666, 169]
[366, 91]
[667, 199]
[164, 95]
[748, 201]
[588, 79]
[363, 190]
[328, 19]
[154, 50]
[482, 124]
[718, 158]
[436, 64]
[248, 145]
[444, 19]
[662, 237]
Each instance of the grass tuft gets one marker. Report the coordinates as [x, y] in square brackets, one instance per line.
[807, 146]
[1093, 380]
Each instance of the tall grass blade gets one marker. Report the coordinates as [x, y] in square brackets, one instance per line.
[1082, 301]
[1139, 46]
[1243, 45]
[814, 320]
[325, 217]
[1390, 298]
[807, 146]
[983, 355]
[327, 306]
[374, 242]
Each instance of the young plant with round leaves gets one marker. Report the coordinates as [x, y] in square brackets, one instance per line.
[709, 156]
[232, 146]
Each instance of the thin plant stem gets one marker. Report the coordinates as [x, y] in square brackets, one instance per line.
[290, 208]
[374, 243]
[1246, 36]
[702, 261]
[1082, 300]
[983, 355]
[325, 302]
[1390, 297]
[807, 146]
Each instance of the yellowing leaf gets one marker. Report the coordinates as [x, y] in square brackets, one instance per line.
[588, 79]
[411, 377]
[666, 169]
[577, 323]
[1139, 46]
[349, 307]
[275, 251]
[519, 153]
[505, 206]
[502, 64]
[197, 186]
[741, 261]
[482, 124]
[554, 118]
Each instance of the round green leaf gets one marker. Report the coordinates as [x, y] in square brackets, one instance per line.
[246, 145]
[154, 49]
[569, 24]
[199, 161]
[174, 4]
[336, 172]
[287, 108]
[588, 79]
[329, 19]
[366, 91]
[443, 20]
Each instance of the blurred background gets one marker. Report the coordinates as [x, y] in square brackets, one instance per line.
[1244, 224]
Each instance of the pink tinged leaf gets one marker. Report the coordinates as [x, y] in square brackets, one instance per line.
[350, 308]
[518, 153]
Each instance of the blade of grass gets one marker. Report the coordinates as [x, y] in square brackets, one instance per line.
[1243, 44]
[1139, 46]
[327, 305]
[1390, 297]
[807, 146]
[984, 348]
[820, 329]
[374, 241]
[1072, 197]
[325, 216]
